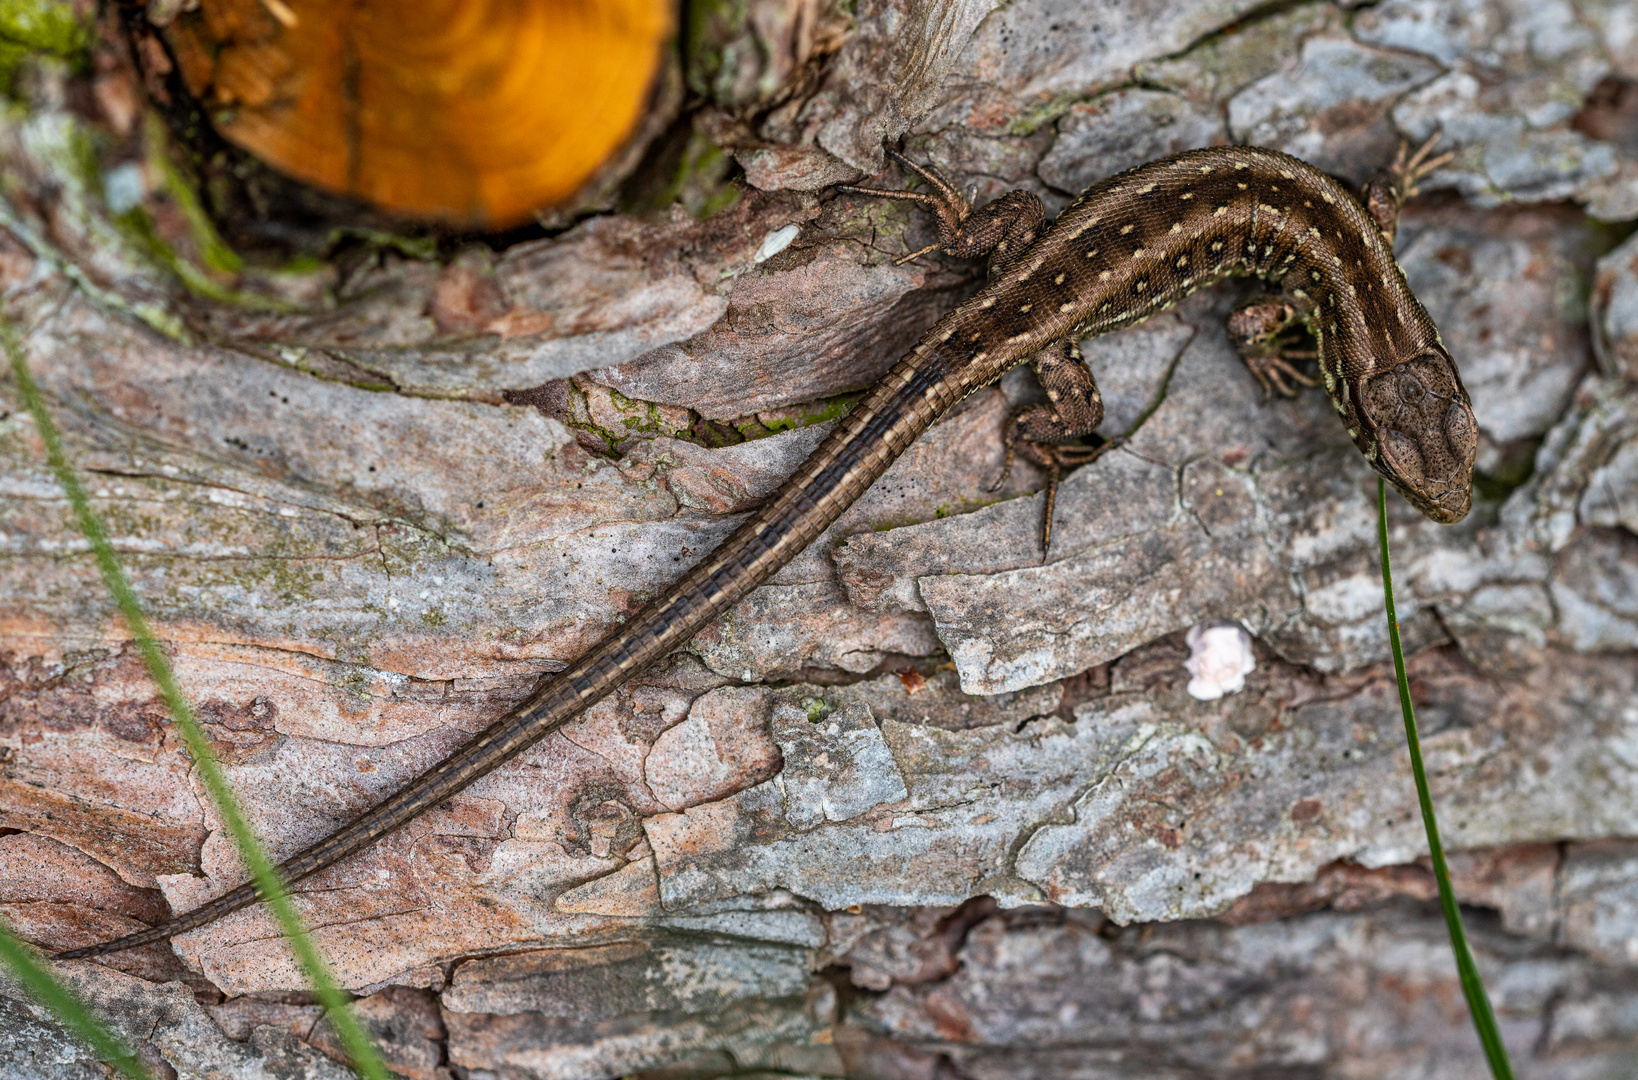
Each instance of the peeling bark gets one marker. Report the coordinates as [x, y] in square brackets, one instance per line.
[925, 804]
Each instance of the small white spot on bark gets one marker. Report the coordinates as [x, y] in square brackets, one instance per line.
[1219, 660]
[124, 186]
[775, 242]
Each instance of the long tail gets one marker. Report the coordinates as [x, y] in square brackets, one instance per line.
[877, 431]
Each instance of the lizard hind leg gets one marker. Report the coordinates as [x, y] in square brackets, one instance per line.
[1255, 329]
[1001, 229]
[1046, 434]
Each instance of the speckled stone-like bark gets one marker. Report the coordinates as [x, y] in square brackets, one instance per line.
[924, 805]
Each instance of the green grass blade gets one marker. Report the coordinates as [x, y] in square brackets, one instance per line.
[1478, 1003]
[69, 1010]
[251, 850]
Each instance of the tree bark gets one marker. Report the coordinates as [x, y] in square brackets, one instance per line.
[925, 804]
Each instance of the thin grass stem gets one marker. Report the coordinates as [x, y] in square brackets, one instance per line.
[255, 856]
[1478, 1003]
[69, 1010]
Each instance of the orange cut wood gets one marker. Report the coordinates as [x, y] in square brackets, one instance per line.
[471, 112]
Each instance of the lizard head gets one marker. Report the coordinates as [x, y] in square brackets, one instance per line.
[1417, 429]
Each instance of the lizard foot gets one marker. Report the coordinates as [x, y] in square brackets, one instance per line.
[1386, 193]
[1272, 368]
[1256, 330]
[1409, 169]
[1000, 229]
[946, 203]
[1056, 459]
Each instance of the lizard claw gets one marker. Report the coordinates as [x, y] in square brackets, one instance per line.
[914, 255]
[1410, 169]
[946, 203]
[1009, 456]
[1256, 330]
[1272, 370]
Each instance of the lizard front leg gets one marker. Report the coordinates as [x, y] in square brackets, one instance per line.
[1040, 432]
[1002, 229]
[1255, 329]
[1387, 192]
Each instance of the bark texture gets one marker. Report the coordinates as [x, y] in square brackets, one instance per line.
[924, 805]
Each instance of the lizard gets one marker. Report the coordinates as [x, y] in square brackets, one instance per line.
[1128, 247]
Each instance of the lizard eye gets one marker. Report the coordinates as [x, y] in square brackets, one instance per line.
[1459, 430]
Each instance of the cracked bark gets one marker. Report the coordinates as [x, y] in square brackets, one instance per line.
[912, 809]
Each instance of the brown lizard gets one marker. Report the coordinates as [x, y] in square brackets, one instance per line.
[1127, 248]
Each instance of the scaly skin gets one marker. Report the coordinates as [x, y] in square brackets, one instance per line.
[1127, 248]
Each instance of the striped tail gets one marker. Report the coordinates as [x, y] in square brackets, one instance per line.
[880, 428]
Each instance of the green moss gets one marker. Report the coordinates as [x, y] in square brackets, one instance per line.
[214, 279]
[423, 248]
[700, 181]
[38, 27]
[12, 56]
[303, 264]
[639, 415]
[710, 25]
[636, 415]
[213, 250]
[749, 428]
[831, 408]
[162, 319]
[815, 708]
[356, 683]
[1042, 113]
[715, 434]
[288, 580]
[43, 25]
[773, 421]
[962, 506]
[719, 200]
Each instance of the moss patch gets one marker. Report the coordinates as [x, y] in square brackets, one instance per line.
[35, 28]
